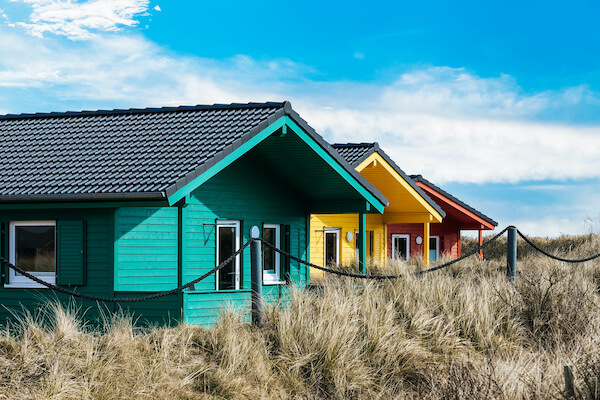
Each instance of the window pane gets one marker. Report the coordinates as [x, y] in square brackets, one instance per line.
[34, 247]
[400, 247]
[330, 247]
[433, 249]
[269, 236]
[225, 250]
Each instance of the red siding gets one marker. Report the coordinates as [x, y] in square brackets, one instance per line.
[449, 237]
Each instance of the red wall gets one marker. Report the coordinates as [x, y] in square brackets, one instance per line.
[448, 232]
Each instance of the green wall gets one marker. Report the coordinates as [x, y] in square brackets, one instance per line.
[146, 248]
[253, 194]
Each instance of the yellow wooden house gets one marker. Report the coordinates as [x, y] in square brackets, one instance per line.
[335, 238]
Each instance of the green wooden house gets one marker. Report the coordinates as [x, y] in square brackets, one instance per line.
[123, 203]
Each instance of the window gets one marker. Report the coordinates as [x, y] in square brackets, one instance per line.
[271, 258]
[32, 247]
[228, 242]
[370, 241]
[434, 248]
[400, 247]
[332, 246]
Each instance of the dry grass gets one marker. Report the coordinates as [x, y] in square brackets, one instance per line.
[459, 333]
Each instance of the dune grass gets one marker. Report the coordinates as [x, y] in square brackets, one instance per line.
[463, 333]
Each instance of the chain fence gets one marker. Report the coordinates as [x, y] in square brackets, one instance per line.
[382, 277]
[529, 242]
[152, 296]
[190, 284]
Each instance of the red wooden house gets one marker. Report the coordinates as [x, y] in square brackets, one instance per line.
[406, 239]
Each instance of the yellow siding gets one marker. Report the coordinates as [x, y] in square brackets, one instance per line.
[345, 222]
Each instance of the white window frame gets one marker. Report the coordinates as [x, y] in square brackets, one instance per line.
[274, 278]
[367, 232]
[236, 225]
[16, 281]
[437, 247]
[335, 231]
[401, 236]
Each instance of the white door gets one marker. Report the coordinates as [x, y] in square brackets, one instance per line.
[400, 247]
[332, 246]
[228, 242]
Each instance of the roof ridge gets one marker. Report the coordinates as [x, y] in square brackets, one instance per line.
[199, 107]
[361, 144]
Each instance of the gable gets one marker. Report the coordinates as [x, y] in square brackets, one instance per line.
[463, 214]
[401, 192]
[302, 158]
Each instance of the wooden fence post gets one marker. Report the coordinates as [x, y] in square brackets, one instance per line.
[511, 253]
[256, 275]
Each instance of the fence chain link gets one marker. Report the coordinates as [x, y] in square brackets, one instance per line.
[529, 242]
[152, 296]
[381, 277]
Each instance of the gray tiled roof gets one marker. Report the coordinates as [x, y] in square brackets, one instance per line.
[118, 151]
[355, 153]
[419, 178]
[135, 153]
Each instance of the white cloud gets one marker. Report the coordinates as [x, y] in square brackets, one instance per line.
[468, 149]
[157, 8]
[127, 71]
[358, 55]
[451, 125]
[82, 20]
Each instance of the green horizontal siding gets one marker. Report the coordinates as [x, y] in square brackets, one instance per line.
[205, 308]
[146, 249]
[245, 191]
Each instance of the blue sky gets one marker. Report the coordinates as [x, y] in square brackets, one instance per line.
[496, 102]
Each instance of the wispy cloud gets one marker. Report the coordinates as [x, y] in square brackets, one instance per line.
[81, 20]
[359, 55]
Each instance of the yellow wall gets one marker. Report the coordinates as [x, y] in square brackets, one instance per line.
[346, 222]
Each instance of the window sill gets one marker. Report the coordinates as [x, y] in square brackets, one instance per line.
[212, 291]
[24, 286]
[270, 283]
